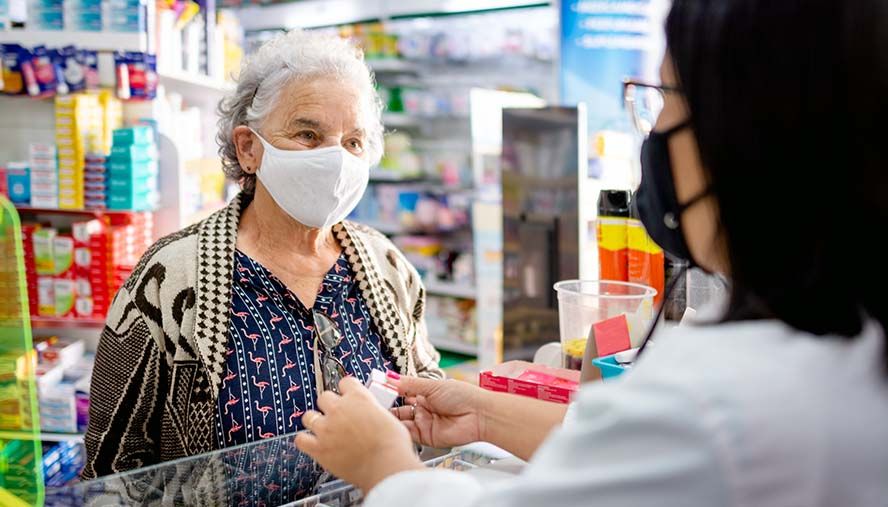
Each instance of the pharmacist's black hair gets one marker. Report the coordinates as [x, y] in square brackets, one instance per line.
[789, 106]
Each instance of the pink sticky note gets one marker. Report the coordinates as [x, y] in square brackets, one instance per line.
[612, 335]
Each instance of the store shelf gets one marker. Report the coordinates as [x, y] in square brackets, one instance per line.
[403, 120]
[62, 323]
[384, 176]
[308, 14]
[447, 289]
[384, 227]
[391, 65]
[29, 209]
[97, 41]
[46, 437]
[460, 347]
[195, 83]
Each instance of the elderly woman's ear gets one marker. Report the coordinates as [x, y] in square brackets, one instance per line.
[249, 150]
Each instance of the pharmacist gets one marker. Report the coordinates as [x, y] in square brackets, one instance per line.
[210, 343]
[767, 163]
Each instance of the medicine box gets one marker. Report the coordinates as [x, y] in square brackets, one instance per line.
[45, 299]
[49, 202]
[133, 135]
[47, 176]
[128, 169]
[42, 242]
[18, 182]
[532, 380]
[139, 202]
[133, 152]
[134, 186]
[41, 150]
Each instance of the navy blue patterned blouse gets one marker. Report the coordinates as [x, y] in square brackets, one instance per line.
[270, 379]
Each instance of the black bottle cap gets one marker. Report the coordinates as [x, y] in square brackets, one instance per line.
[613, 203]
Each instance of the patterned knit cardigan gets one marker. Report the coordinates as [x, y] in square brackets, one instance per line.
[161, 356]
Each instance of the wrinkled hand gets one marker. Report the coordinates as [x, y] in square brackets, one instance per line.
[446, 413]
[355, 438]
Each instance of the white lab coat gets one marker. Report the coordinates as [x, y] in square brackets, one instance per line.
[745, 414]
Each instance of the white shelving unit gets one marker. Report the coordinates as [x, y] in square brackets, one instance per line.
[98, 41]
[195, 84]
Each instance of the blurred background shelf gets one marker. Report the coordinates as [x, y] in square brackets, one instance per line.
[66, 323]
[391, 65]
[403, 120]
[385, 227]
[30, 209]
[46, 437]
[96, 41]
[459, 347]
[194, 83]
[449, 289]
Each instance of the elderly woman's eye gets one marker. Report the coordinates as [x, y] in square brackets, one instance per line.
[355, 144]
[308, 135]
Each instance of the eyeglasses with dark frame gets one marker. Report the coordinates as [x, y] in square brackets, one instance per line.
[644, 102]
[327, 338]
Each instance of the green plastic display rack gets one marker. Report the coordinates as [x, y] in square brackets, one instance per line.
[21, 471]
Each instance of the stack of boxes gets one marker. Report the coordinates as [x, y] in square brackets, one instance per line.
[44, 176]
[95, 182]
[79, 130]
[46, 14]
[131, 235]
[92, 258]
[133, 170]
[54, 266]
[28, 231]
[83, 15]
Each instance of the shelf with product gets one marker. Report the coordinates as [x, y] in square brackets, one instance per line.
[43, 436]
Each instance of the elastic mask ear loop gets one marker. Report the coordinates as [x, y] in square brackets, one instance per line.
[672, 285]
[671, 219]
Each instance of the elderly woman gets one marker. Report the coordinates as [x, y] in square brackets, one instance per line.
[228, 330]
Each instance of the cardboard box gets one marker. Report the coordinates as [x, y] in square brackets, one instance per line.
[555, 385]
[45, 298]
[63, 255]
[64, 295]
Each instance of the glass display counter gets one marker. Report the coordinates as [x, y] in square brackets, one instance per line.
[270, 473]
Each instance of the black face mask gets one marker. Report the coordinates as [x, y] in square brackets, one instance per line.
[658, 206]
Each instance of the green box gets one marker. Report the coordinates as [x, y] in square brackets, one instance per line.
[135, 186]
[133, 152]
[132, 169]
[137, 202]
[133, 135]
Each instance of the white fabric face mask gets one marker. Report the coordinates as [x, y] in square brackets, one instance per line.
[319, 187]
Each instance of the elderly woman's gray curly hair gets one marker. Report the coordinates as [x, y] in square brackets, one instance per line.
[293, 55]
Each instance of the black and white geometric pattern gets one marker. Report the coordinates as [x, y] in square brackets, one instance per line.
[217, 238]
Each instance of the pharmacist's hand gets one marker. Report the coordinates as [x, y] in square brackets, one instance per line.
[441, 413]
[355, 438]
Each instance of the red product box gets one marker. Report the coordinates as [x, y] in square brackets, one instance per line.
[544, 383]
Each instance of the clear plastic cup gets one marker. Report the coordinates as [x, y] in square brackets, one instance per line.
[582, 303]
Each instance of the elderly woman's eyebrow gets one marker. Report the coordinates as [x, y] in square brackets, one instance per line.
[304, 122]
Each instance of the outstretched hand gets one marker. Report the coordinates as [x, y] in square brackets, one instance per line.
[355, 438]
[441, 413]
